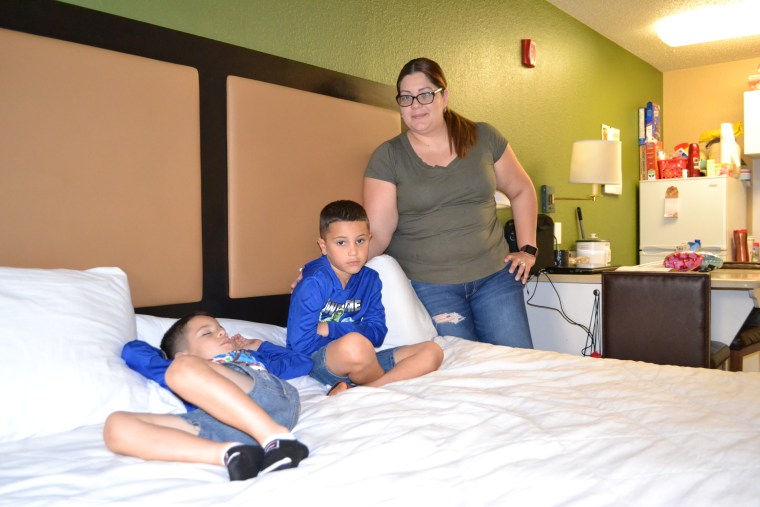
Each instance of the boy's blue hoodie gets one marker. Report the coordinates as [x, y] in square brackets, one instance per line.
[150, 362]
[320, 297]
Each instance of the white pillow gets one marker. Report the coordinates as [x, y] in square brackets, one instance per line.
[407, 319]
[151, 329]
[61, 335]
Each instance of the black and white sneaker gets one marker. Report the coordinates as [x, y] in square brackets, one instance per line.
[243, 461]
[282, 454]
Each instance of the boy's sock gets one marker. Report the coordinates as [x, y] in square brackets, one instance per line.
[243, 461]
[281, 452]
[277, 436]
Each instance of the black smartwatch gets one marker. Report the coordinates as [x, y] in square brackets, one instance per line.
[529, 249]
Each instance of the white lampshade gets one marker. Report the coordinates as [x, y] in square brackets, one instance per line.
[595, 161]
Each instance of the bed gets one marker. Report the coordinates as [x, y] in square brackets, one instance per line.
[494, 426]
[140, 178]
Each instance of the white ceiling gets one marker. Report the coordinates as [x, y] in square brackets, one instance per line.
[630, 24]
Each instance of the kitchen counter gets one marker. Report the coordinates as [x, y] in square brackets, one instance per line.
[729, 279]
[735, 279]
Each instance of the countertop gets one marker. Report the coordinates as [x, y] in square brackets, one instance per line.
[728, 279]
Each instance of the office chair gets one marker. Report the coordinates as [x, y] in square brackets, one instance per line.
[659, 317]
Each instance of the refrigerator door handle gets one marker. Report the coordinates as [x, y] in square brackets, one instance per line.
[657, 248]
[672, 248]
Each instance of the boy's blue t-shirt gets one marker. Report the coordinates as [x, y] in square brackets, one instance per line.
[320, 297]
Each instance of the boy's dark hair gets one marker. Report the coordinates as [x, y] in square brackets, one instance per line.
[175, 338]
[341, 211]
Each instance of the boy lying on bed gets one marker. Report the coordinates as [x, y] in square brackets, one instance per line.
[336, 312]
[245, 412]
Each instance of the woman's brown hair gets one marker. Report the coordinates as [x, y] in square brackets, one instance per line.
[463, 133]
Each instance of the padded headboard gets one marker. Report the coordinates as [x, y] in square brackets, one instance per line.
[196, 166]
[90, 175]
[290, 152]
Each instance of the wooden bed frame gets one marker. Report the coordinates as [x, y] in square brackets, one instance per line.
[207, 193]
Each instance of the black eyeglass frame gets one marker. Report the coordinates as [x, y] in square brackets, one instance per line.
[432, 98]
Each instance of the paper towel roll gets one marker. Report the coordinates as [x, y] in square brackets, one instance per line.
[730, 153]
[727, 142]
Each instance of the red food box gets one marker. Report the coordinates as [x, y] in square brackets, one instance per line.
[672, 167]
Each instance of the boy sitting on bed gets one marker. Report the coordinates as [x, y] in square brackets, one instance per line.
[245, 412]
[336, 312]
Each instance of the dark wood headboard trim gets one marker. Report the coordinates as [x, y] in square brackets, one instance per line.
[214, 61]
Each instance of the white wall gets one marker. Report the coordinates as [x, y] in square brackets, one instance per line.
[701, 98]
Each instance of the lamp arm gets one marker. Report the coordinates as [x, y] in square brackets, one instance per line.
[548, 197]
[595, 194]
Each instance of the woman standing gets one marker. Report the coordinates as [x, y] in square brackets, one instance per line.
[429, 194]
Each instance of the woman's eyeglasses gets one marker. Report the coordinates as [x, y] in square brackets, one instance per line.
[423, 98]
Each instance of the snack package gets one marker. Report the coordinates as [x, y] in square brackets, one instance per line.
[683, 260]
[710, 261]
[688, 260]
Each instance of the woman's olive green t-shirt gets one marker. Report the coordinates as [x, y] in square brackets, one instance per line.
[447, 229]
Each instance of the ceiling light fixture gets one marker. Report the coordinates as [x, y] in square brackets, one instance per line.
[710, 24]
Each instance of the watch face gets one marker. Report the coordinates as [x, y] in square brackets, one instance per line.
[529, 249]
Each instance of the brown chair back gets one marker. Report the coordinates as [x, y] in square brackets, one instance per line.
[657, 317]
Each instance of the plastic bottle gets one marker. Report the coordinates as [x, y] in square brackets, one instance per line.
[693, 162]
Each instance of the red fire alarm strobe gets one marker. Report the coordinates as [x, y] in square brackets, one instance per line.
[528, 53]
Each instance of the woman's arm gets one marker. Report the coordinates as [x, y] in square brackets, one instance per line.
[512, 179]
[382, 210]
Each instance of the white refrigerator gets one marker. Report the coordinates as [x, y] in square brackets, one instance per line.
[679, 210]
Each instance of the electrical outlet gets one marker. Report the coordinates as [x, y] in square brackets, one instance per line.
[558, 232]
[547, 199]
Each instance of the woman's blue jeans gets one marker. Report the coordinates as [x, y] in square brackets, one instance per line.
[490, 310]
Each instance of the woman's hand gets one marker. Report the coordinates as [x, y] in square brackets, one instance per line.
[521, 263]
[298, 279]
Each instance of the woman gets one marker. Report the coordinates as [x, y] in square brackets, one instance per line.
[429, 195]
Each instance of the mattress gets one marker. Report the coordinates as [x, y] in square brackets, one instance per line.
[494, 426]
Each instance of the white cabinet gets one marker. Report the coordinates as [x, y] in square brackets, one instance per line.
[752, 123]
[752, 152]
[575, 295]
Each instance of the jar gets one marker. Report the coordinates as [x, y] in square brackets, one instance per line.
[593, 253]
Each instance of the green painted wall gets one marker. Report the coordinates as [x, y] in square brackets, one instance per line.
[581, 79]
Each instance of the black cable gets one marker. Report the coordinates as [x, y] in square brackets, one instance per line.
[592, 339]
[559, 310]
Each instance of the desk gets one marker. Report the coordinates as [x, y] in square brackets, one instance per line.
[734, 293]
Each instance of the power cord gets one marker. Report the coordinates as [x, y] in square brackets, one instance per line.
[561, 310]
[593, 339]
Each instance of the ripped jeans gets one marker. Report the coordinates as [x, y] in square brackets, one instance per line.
[490, 310]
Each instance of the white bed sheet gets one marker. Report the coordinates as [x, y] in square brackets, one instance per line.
[494, 426]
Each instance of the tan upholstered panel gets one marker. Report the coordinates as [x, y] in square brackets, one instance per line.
[100, 165]
[290, 153]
